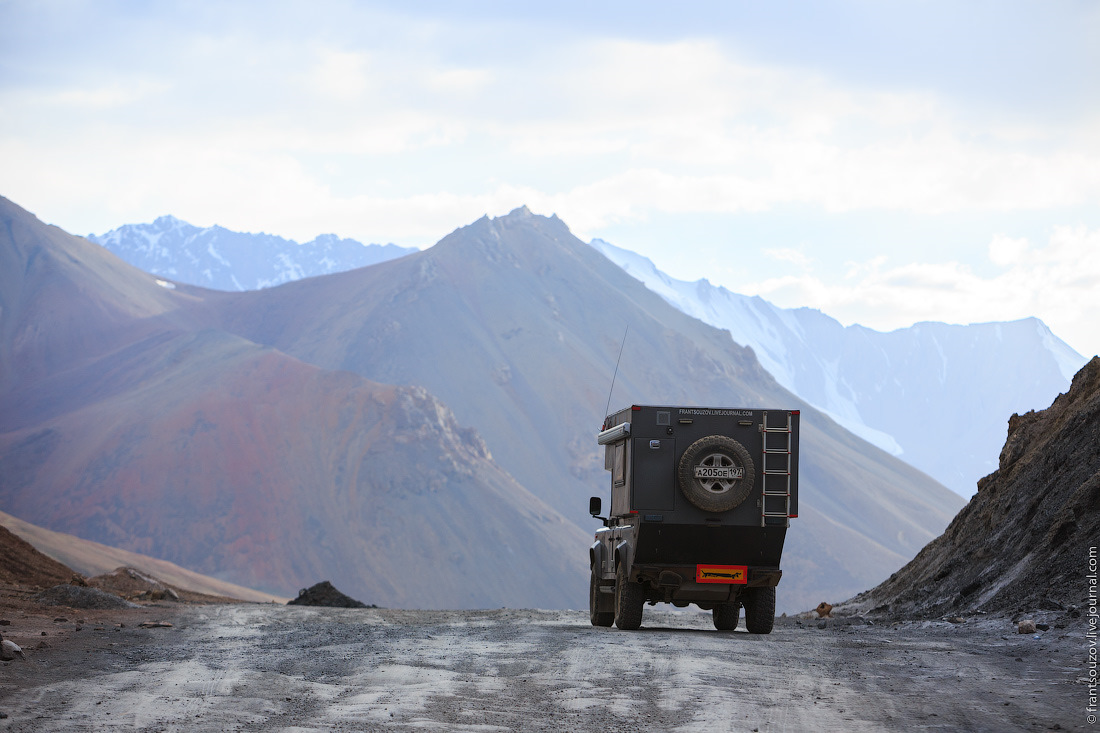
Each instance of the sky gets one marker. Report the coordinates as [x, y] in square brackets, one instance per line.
[886, 163]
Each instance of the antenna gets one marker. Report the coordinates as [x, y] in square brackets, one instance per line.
[616, 373]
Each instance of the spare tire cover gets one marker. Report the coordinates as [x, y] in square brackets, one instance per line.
[716, 473]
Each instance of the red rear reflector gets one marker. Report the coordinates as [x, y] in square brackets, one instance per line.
[794, 412]
[793, 516]
[635, 408]
[633, 511]
[721, 574]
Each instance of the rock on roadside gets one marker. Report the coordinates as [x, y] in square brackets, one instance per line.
[325, 594]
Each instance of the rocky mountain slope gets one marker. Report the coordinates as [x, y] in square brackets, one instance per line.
[934, 394]
[63, 299]
[515, 324]
[1022, 542]
[126, 420]
[215, 257]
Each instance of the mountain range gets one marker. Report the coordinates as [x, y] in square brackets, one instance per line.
[420, 431]
[215, 257]
[936, 395]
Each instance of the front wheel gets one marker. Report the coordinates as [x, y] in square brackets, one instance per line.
[595, 601]
[629, 600]
[759, 609]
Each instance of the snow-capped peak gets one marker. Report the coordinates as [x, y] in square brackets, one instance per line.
[215, 257]
[939, 395]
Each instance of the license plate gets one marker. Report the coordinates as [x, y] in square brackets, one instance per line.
[724, 472]
[721, 574]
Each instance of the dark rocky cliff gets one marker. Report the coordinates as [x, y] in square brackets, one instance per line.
[1022, 543]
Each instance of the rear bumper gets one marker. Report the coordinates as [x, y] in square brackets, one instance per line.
[682, 578]
[684, 545]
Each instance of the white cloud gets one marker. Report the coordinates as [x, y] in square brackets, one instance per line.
[384, 126]
[1059, 282]
[793, 256]
[597, 130]
[761, 137]
[601, 129]
[458, 81]
[105, 97]
[1006, 251]
[341, 75]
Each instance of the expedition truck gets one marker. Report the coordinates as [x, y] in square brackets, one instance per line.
[701, 498]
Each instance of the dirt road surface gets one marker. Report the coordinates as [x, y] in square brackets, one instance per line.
[268, 667]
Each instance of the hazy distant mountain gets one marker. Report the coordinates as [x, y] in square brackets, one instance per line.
[937, 395]
[225, 260]
[516, 325]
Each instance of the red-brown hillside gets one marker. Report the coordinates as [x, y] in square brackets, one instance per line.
[21, 564]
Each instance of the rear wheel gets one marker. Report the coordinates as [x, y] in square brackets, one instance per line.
[629, 599]
[726, 615]
[595, 601]
[759, 609]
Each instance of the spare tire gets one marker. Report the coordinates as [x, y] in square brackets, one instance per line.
[716, 473]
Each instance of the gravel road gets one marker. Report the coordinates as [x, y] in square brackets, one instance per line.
[268, 667]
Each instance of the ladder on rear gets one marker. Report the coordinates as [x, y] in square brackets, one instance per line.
[775, 505]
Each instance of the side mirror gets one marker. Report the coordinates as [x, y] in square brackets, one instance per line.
[595, 506]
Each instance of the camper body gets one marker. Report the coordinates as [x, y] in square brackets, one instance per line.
[701, 499]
